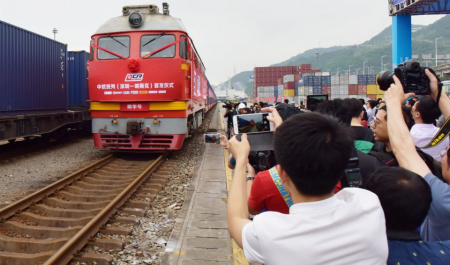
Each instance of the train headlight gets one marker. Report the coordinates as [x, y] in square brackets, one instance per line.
[135, 20]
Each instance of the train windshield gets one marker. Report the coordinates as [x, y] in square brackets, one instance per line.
[150, 43]
[111, 46]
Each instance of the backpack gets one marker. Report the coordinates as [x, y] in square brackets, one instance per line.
[389, 159]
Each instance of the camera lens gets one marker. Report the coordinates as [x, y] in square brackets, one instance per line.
[135, 20]
[385, 79]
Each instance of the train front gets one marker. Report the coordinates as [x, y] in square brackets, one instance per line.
[140, 81]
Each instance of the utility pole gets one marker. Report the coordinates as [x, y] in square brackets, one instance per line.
[54, 33]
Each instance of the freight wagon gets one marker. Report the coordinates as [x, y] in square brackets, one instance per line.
[35, 97]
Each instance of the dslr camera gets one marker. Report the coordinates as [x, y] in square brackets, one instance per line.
[411, 75]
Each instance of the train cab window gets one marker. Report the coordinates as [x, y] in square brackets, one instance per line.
[183, 47]
[116, 44]
[150, 43]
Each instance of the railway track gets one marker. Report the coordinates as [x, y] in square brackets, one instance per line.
[53, 224]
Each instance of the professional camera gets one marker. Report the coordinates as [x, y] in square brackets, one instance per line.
[262, 160]
[411, 75]
[227, 105]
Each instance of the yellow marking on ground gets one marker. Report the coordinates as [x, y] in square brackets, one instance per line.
[239, 257]
[180, 253]
[238, 253]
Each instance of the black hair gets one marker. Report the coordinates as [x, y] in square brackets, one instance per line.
[428, 109]
[373, 103]
[404, 196]
[314, 150]
[335, 108]
[407, 116]
[355, 106]
[286, 101]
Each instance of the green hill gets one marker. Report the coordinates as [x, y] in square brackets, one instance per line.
[339, 58]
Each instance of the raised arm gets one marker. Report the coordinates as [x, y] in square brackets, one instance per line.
[401, 140]
[237, 207]
[444, 101]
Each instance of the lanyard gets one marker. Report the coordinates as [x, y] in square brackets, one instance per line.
[284, 193]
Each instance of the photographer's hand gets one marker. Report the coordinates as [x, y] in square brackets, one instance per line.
[275, 119]
[395, 93]
[239, 149]
[444, 101]
[401, 140]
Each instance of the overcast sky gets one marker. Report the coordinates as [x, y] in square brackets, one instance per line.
[230, 35]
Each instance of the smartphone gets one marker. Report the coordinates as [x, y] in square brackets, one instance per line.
[252, 123]
[212, 138]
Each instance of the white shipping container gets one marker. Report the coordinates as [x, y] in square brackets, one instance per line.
[334, 80]
[343, 89]
[318, 74]
[309, 90]
[353, 80]
[343, 96]
[352, 96]
[343, 79]
[334, 96]
[335, 90]
[301, 90]
[325, 73]
[288, 78]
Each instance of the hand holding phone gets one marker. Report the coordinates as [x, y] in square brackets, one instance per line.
[212, 138]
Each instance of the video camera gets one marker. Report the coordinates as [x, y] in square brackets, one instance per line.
[411, 75]
[227, 105]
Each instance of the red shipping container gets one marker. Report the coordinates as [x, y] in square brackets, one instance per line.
[353, 89]
[326, 90]
[289, 85]
[362, 89]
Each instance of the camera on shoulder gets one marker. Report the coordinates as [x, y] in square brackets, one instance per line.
[411, 75]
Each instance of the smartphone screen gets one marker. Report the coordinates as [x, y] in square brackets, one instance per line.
[212, 138]
[251, 123]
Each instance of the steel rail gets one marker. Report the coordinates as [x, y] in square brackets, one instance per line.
[28, 201]
[68, 250]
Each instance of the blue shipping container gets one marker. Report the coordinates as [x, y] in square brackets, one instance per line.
[326, 80]
[275, 91]
[32, 72]
[78, 88]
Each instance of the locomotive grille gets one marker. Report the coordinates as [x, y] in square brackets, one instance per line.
[148, 141]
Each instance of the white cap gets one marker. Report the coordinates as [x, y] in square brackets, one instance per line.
[241, 106]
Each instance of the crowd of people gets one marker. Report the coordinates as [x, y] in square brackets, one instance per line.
[350, 185]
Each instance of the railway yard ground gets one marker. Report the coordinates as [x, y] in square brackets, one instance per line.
[183, 220]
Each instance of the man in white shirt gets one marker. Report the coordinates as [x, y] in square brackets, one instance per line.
[321, 228]
[425, 112]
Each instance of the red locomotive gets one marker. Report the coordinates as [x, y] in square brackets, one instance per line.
[147, 83]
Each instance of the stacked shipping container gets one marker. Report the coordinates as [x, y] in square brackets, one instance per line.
[296, 83]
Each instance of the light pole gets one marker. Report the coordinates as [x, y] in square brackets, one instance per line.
[337, 71]
[370, 70]
[435, 43]
[349, 68]
[54, 33]
[317, 60]
[382, 65]
[364, 67]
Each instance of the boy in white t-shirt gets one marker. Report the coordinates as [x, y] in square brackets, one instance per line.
[312, 151]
